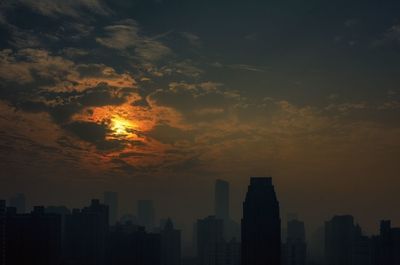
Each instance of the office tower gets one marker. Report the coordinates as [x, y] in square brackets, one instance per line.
[85, 235]
[111, 199]
[33, 238]
[145, 214]
[339, 240]
[261, 224]
[210, 241]
[295, 249]
[232, 252]
[362, 248]
[18, 201]
[222, 200]
[170, 244]
[221, 208]
[129, 244]
[2, 231]
[387, 245]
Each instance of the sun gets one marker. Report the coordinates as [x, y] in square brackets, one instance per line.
[121, 127]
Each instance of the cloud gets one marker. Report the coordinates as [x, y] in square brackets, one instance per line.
[125, 36]
[73, 8]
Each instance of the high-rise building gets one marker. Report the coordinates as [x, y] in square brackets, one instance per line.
[33, 238]
[210, 241]
[295, 248]
[129, 244]
[145, 214]
[111, 199]
[85, 235]
[387, 245]
[222, 199]
[18, 201]
[221, 208]
[170, 244]
[261, 224]
[339, 240]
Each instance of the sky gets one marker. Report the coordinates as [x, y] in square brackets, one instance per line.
[156, 99]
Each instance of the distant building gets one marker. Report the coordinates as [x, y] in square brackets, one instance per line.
[386, 246]
[221, 207]
[210, 241]
[33, 238]
[261, 224]
[295, 248]
[170, 244]
[222, 200]
[339, 240]
[85, 235]
[145, 214]
[232, 252]
[129, 244]
[111, 199]
[18, 201]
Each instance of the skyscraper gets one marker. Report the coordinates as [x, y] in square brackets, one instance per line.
[85, 234]
[295, 248]
[145, 214]
[261, 224]
[339, 240]
[170, 244]
[111, 199]
[210, 241]
[222, 199]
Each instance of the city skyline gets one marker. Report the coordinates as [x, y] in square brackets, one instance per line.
[165, 108]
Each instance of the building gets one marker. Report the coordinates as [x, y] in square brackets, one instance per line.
[111, 199]
[129, 244]
[295, 248]
[33, 238]
[18, 201]
[210, 241]
[339, 240]
[261, 224]
[386, 246]
[145, 214]
[170, 244]
[85, 235]
[222, 199]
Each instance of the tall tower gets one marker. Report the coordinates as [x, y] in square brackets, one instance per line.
[145, 214]
[111, 199]
[261, 224]
[222, 199]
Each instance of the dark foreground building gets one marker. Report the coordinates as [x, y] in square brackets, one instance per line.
[261, 224]
[33, 239]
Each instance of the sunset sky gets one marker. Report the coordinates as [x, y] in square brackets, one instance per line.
[158, 98]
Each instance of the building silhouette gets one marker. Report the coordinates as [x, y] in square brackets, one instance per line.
[18, 201]
[222, 199]
[145, 214]
[110, 198]
[170, 244]
[210, 241]
[295, 248]
[261, 224]
[221, 209]
[386, 246]
[85, 235]
[33, 238]
[129, 244]
[339, 240]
